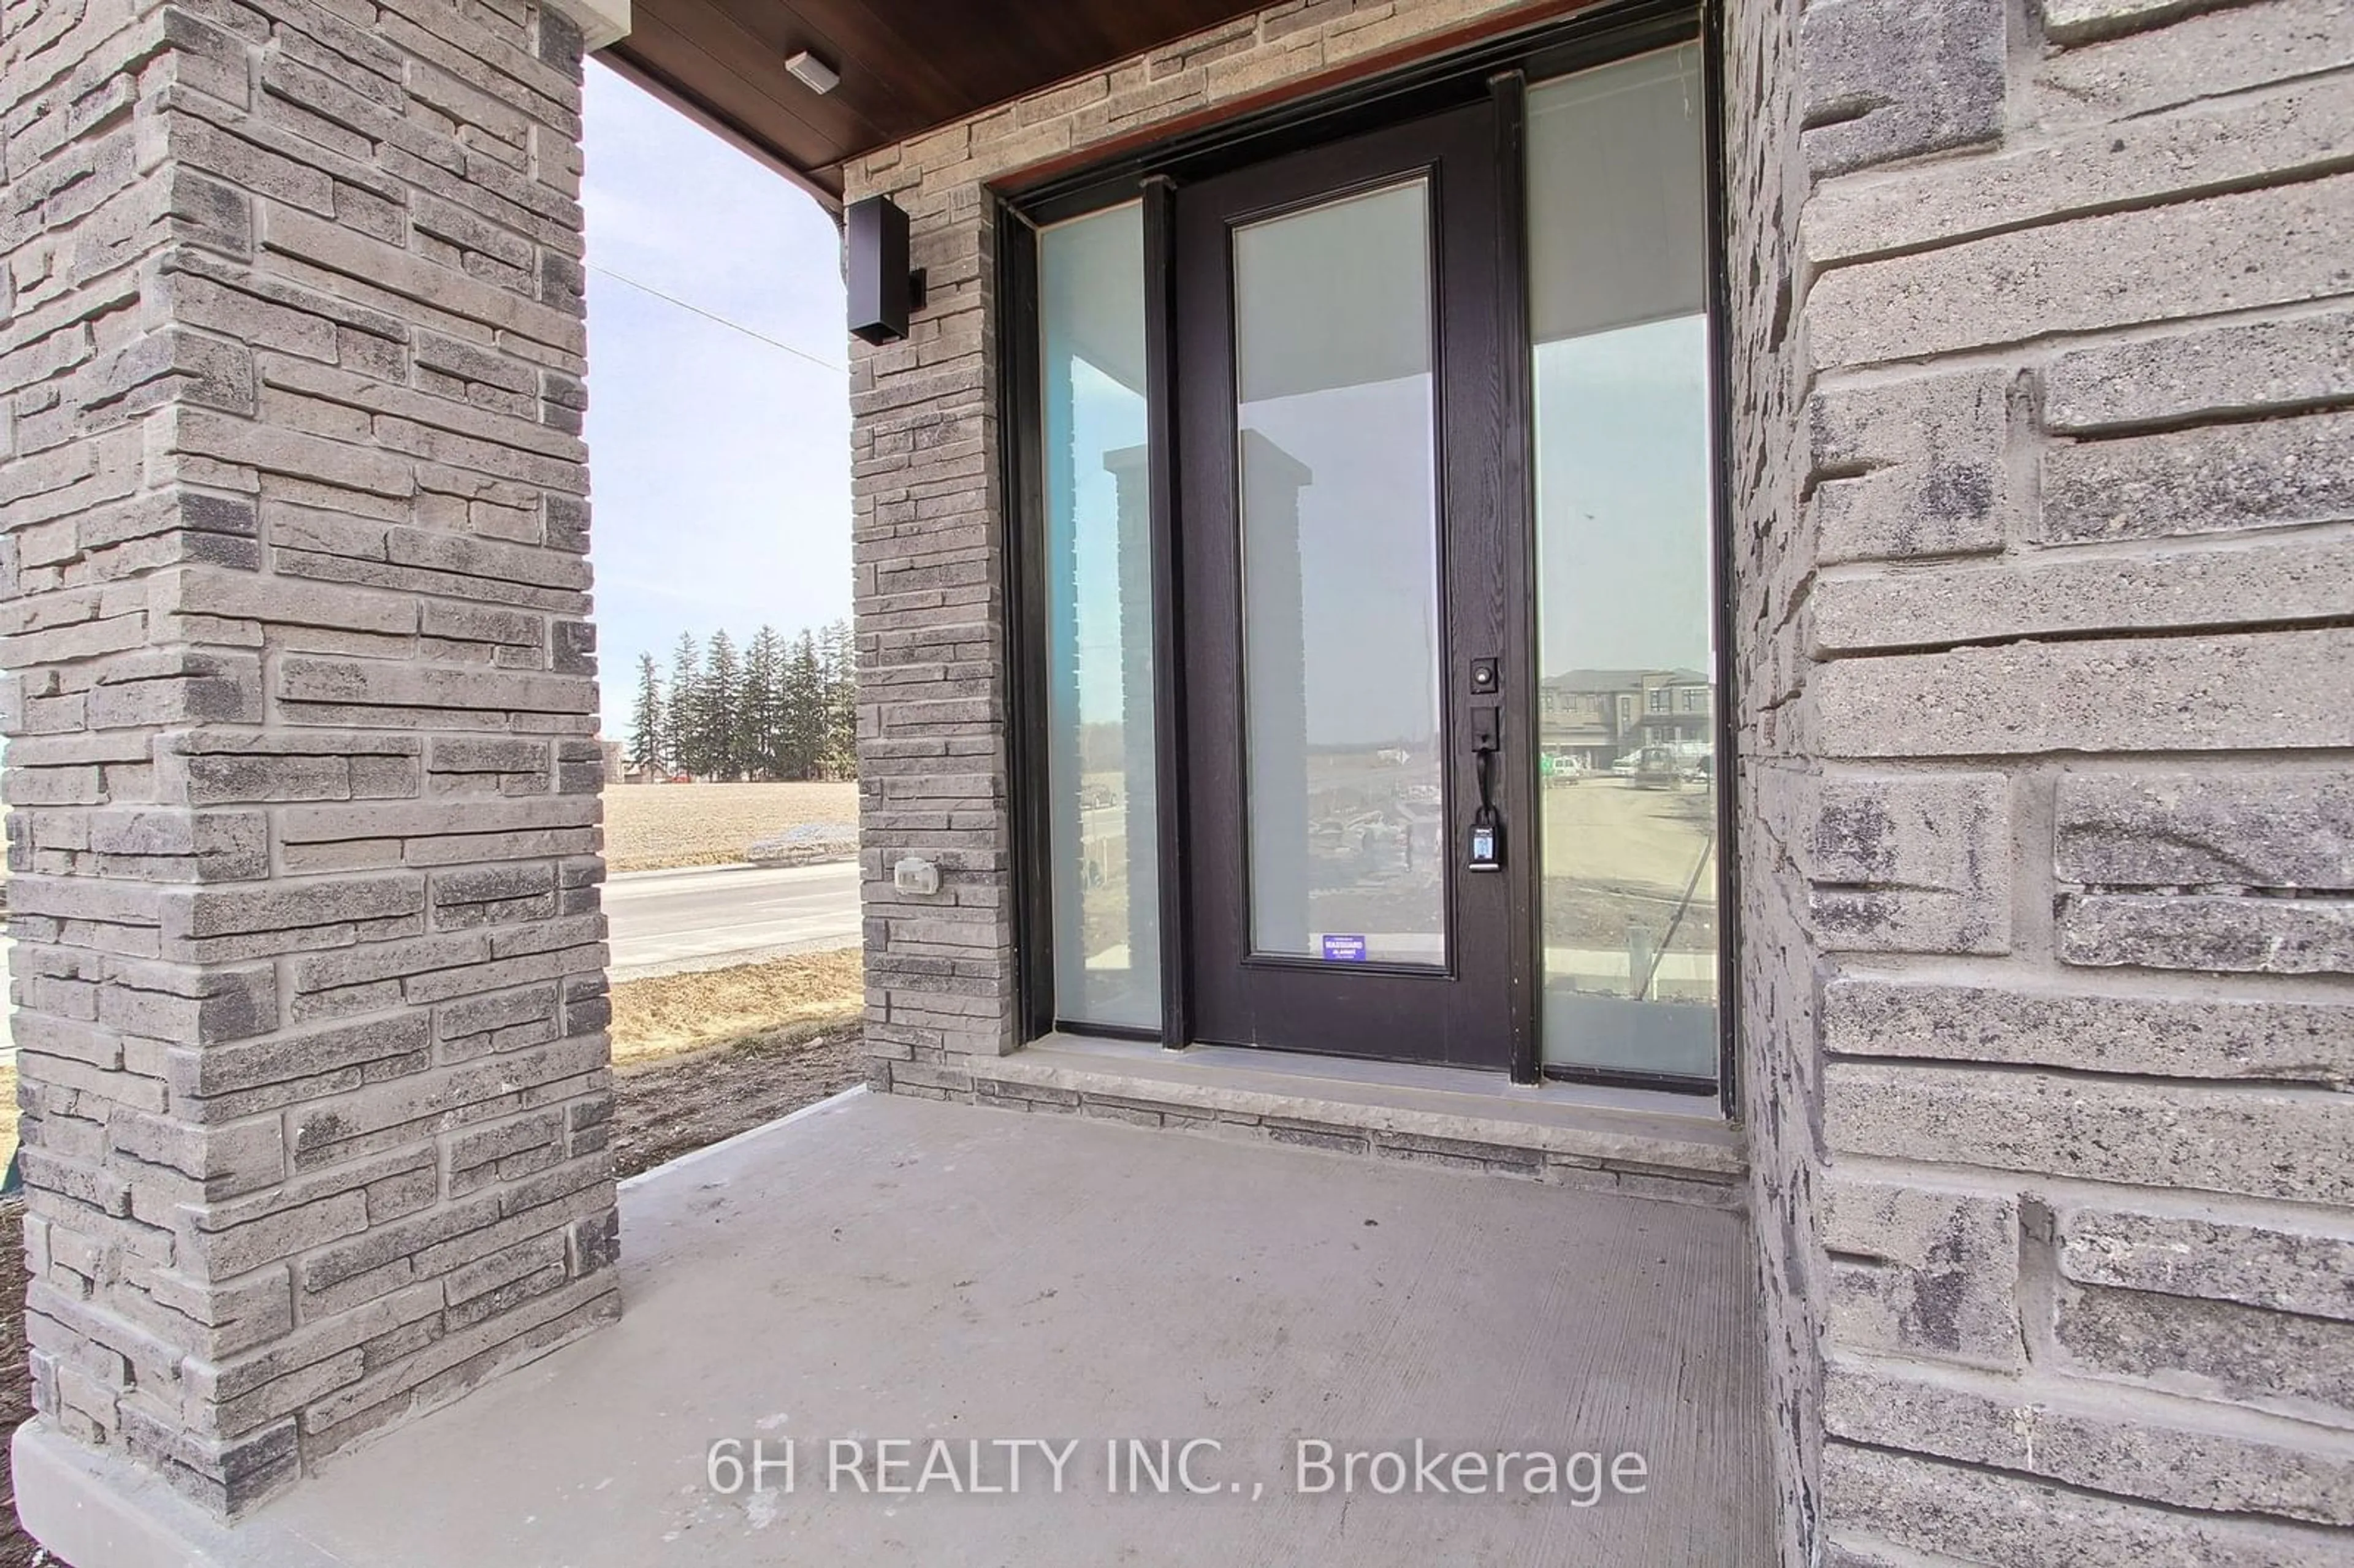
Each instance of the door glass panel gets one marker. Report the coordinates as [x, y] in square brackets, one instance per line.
[1627, 656]
[1340, 608]
[1105, 828]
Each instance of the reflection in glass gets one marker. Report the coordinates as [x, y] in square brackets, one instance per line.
[1341, 581]
[1625, 694]
[1105, 832]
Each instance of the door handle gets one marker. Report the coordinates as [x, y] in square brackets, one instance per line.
[1487, 848]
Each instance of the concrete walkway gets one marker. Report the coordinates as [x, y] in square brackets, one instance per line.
[892, 1268]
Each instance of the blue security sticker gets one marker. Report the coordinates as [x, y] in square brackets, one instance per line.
[1344, 949]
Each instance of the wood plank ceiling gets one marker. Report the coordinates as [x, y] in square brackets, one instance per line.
[906, 65]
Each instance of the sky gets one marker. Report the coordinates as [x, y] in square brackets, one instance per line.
[720, 463]
[1623, 499]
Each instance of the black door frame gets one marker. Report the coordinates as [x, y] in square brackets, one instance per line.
[1458, 1013]
[1496, 68]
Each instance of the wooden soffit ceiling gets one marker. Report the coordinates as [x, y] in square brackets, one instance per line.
[906, 66]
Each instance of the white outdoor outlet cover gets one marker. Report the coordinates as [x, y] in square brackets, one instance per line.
[914, 874]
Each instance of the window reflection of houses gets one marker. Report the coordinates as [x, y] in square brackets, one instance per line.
[1596, 716]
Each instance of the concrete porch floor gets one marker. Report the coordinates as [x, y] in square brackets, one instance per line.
[888, 1267]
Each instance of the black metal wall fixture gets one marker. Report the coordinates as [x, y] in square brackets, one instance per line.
[884, 292]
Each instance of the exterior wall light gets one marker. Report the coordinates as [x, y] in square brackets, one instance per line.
[882, 290]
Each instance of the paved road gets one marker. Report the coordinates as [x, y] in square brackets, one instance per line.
[665, 921]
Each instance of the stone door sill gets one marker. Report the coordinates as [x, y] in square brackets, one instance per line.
[1641, 1144]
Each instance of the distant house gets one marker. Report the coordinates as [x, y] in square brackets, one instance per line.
[1594, 717]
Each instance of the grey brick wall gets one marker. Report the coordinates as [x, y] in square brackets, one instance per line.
[2044, 344]
[300, 697]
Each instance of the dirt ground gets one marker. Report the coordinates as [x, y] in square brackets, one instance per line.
[671, 1107]
[1615, 855]
[1606, 830]
[653, 827]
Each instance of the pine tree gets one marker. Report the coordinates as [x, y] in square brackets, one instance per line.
[838, 654]
[646, 718]
[763, 674]
[723, 695]
[683, 750]
[804, 709]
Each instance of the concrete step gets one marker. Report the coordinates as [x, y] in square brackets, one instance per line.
[1647, 1145]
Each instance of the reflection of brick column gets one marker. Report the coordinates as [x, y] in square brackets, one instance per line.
[1065, 738]
[1142, 822]
[1275, 694]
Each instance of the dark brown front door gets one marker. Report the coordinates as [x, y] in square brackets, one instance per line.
[1351, 539]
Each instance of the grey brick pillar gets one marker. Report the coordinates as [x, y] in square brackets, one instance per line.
[300, 709]
[2041, 429]
[927, 562]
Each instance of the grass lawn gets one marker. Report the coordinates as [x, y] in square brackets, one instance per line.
[664, 1016]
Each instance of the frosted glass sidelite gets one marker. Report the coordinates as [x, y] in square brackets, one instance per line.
[1105, 828]
[1626, 692]
[1339, 552]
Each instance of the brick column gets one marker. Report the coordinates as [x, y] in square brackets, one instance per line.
[2041, 382]
[299, 707]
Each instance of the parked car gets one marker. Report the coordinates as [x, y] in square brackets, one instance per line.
[1658, 768]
